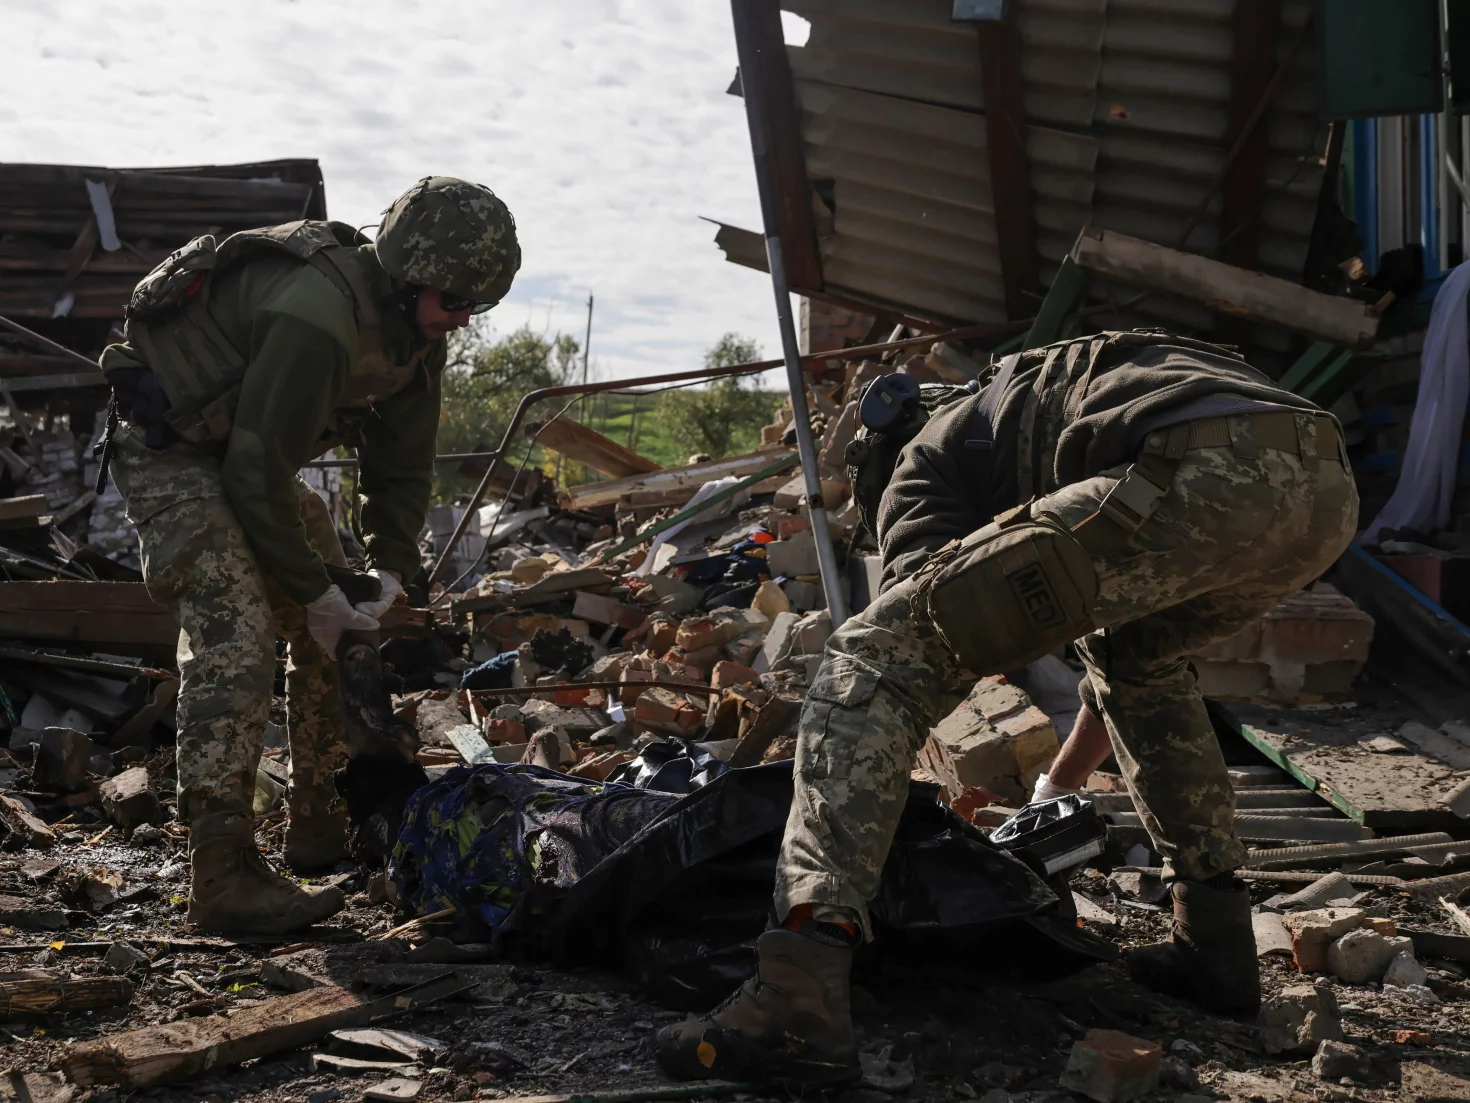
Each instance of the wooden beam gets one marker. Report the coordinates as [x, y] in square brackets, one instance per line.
[1010, 172]
[1250, 295]
[587, 446]
[689, 479]
[765, 75]
[172, 1051]
[103, 614]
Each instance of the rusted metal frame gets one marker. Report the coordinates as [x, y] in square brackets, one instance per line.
[1010, 172]
[497, 457]
[766, 80]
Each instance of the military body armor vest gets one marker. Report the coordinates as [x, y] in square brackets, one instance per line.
[200, 369]
[873, 454]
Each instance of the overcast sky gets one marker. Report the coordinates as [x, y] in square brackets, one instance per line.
[603, 124]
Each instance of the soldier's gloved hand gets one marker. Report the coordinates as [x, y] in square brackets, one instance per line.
[391, 588]
[332, 614]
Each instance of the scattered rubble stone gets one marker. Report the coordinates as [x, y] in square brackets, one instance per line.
[1360, 956]
[1112, 1067]
[1335, 1060]
[124, 957]
[1299, 1019]
[129, 800]
[1312, 932]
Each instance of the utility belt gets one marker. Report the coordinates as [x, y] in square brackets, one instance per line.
[1133, 499]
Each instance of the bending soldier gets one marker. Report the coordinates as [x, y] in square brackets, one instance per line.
[1140, 494]
[241, 363]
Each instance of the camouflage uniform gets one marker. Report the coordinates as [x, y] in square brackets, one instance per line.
[1239, 527]
[198, 561]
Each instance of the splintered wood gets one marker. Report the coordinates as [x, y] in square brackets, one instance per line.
[172, 1051]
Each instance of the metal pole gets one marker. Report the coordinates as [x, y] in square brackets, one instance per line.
[795, 378]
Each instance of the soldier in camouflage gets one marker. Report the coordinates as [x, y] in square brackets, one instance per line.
[244, 360]
[1144, 495]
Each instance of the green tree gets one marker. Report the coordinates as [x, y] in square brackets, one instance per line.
[723, 417]
[484, 380]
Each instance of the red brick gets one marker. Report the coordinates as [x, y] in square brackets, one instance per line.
[726, 673]
[699, 632]
[666, 710]
[1382, 924]
[704, 659]
[1410, 1037]
[790, 526]
[1112, 1067]
[663, 636]
[631, 691]
[504, 731]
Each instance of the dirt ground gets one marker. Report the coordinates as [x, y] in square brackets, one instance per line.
[949, 1033]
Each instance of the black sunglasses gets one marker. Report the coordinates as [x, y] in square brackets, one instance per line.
[453, 304]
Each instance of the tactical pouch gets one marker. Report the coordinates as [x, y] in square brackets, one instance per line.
[1005, 596]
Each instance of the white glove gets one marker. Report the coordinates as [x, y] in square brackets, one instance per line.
[391, 588]
[330, 615]
[1045, 790]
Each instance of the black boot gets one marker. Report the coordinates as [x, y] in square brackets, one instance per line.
[791, 1022]
[1210, 957]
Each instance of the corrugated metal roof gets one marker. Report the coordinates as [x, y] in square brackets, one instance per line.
[1128, 102]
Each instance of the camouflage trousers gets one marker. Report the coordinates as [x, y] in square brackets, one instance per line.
[1239, 528]
[198, 561]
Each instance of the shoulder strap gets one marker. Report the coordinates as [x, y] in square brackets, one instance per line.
[979, 444]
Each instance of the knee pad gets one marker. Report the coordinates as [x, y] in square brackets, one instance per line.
[1003, 597]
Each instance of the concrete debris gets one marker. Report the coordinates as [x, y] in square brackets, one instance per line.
[1336, 1060]
[1361, 956]
[1299, 1018]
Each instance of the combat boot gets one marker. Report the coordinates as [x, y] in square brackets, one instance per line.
[791, 1022]
[316, 835]
[233, 890]
[1210, 956]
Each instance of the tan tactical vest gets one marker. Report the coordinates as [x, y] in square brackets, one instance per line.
[201, 371]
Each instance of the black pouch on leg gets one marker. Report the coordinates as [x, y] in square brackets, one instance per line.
[1008, 594]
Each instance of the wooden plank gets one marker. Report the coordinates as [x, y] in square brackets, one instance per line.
[1251, 295]
[689, 478]
[587, 446]
[31, 505]
[104, 614]
[765, 76]
[173, 1051]
[1010, 170]
[1390, 793]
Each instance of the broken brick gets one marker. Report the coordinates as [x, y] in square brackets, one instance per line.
[1312, 932]
[726, 674]
[666, 710]
[790, 526]
[702, 632]
[499, 730]
[1112, 1067]
[1410, 1037]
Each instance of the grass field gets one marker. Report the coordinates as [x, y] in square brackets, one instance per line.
[634, 422]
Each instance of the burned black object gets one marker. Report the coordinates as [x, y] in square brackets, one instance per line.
[670, 766]
[1053, 836]
[682, 903]
[382, 771]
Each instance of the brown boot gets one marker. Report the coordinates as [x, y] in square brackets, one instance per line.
[316, 836]
[791, 1022]
[1210, 957]
[232, 889]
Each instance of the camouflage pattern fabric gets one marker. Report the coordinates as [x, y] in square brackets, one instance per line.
[197, 561]
[452, 235]
[1240, 528]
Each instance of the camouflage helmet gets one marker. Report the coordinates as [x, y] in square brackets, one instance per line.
[451, 235]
